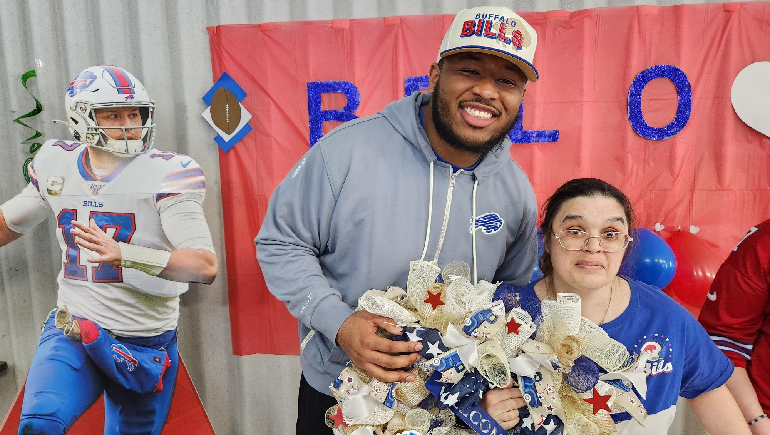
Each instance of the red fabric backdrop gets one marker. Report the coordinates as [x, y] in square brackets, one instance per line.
[712, 173]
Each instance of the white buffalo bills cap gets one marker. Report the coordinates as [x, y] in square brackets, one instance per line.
[493, 30]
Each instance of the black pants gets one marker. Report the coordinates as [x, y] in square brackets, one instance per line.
[311, 406]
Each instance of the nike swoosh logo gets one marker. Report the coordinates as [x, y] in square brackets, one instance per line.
[712, 296]
[184, 165]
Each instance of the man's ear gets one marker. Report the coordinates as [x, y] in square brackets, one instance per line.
[433, 76]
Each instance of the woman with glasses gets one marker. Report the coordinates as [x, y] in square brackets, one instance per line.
[586, 228]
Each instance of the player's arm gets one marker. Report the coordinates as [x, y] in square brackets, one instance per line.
[191, 265]
[192, 260]
[22, 213]
[6, 234]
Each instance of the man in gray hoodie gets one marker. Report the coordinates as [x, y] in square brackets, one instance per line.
[358, 207]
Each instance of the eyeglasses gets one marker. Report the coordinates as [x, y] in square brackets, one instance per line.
[609, 241]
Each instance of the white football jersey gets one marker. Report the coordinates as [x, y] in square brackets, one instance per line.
[125, 204]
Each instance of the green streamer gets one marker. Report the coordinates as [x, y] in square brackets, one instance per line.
[36, 111]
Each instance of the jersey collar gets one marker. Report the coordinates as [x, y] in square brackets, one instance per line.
[87, 175]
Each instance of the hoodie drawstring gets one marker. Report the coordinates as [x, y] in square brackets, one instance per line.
[473, 231]
[445, 223]
[430, 213]
[450, 190]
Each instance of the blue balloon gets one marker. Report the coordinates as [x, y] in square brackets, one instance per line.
[650, 259]
[538, 274]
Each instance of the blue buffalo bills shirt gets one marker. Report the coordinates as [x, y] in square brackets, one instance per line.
[682, 359]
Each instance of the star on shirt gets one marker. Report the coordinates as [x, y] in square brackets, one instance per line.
[434, 349]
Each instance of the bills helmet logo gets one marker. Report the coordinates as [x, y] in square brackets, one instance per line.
[659, 353]
[122, 354]
[81, 83]
[489, 223]
[652, 349]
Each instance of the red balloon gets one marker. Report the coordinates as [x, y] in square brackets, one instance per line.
[696, 266]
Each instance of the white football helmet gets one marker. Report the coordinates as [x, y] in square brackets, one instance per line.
[100, 87]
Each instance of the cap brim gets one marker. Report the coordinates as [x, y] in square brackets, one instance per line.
[527, 68]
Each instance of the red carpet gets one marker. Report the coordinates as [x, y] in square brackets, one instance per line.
[186, 415]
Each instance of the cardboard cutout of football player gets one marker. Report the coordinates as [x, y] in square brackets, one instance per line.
[130, 224]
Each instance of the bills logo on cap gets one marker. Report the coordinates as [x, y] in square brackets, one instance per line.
[495, 27]
[493, 30]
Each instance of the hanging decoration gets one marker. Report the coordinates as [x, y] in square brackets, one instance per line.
[34, 146]
[750, 96]
[225, 112]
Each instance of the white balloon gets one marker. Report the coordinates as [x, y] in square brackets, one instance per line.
[750, 96]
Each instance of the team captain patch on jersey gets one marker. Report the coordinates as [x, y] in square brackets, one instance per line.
[128, 210]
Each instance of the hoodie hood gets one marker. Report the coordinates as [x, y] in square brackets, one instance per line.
[407, 123]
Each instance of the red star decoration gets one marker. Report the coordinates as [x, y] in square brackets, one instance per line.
[337, 418]
[434, 299]
[513, 326]
[599, 402]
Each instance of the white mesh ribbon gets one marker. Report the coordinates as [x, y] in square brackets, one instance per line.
[493, 364]
[421, 275]
[374, 301]
[567, 308]
[601, 348]
[397, 294]
[418, 420]
[457, 291]
[521, 327]
[482, 296]
[462, 296]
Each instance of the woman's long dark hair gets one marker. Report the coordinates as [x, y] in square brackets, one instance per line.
[579, 187]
